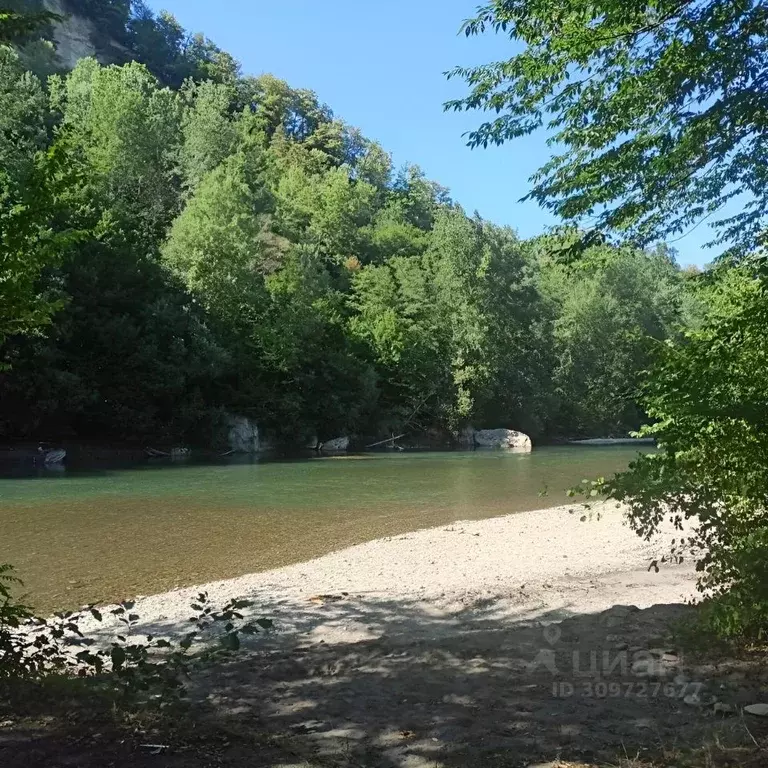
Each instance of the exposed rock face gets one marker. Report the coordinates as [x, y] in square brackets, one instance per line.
[73, 36]
[506, 439]
[467, 437]
[76, 37]
[337, 445]
[243, 435]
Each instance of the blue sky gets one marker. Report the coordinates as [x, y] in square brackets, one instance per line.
[379, 66]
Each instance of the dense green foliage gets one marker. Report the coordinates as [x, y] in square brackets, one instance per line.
[616, 303]
[30, 180]
[16, 26]
[657, 108]
[707, 399]
[223, 244]
[135, 671]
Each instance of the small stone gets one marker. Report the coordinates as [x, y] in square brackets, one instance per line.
[693, 700]
[621, 646]
[723, 708]
[761, 710]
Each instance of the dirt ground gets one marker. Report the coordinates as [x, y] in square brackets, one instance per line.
[606, 688]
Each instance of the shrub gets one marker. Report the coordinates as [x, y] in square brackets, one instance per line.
[708, 399]
[138, 667]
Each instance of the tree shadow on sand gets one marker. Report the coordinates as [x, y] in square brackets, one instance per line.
[434, 692]
[586, 687]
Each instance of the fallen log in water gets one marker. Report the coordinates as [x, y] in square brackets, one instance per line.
[388, 440]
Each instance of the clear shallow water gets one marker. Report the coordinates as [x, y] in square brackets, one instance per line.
[97, 536]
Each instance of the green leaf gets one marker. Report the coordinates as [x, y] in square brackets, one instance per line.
[118, 657]
[230, 642]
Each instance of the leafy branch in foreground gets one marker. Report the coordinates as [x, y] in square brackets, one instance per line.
[15, 26]
[656, 108]
[708, 400]
[138, 667]
[12, 615]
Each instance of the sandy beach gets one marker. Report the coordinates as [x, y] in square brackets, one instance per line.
[531, 566]
[449, 647]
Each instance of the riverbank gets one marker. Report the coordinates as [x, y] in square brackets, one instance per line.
[427, 650]
[538, 565]
[98, 536]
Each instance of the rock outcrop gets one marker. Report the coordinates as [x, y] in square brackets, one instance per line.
[73, 35]
[504, 439]
[243, 436]
[77, 37]
[466, 438]
[337, 445]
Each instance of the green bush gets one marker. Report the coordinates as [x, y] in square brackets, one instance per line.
[140, 668]
[13, 660]
[708, 398]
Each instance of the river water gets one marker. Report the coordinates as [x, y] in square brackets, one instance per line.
[100, 535]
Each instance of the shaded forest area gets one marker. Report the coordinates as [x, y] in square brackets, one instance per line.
[197, 243]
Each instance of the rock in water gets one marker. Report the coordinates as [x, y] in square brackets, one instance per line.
[337, 445]
[761, 710]
[243, 435]
[55, 456]
[505, 439]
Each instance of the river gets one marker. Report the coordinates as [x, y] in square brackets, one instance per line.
[82, 536]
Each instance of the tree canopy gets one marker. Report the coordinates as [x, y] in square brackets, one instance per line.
[656, 111]
[204, 243]
[17, 25]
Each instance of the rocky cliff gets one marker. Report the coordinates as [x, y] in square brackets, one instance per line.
[77, 37]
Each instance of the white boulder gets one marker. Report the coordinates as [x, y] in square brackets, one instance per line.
[337, 445]
[505, 439]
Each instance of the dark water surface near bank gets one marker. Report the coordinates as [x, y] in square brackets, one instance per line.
[81, 536]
